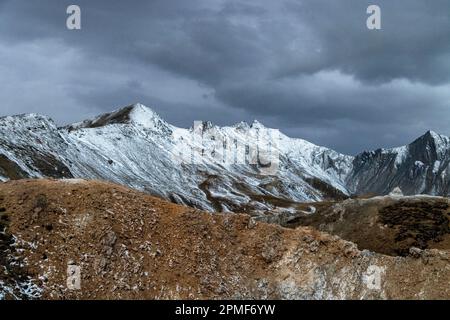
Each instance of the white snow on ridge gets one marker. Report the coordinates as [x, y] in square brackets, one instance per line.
[199, 166]
[133, 146]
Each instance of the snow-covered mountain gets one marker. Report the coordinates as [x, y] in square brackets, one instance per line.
[237, 168]
[422, 167]
[210, 167]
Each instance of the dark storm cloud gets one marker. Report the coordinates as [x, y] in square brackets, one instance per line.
[310, 67]
[413, 44]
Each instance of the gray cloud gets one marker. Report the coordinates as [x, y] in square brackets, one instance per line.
[310, 67]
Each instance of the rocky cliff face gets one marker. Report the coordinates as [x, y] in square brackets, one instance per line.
[419, 168]
[75, 239]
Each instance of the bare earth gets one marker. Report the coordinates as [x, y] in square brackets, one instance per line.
[129, 245]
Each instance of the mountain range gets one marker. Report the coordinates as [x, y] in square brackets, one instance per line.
[239, 168]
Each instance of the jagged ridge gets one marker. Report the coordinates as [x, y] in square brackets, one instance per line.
[133, 146]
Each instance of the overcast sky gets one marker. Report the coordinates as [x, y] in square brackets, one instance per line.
[310, 68]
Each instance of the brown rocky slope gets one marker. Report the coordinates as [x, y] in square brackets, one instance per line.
[128, 245]
[391, 225]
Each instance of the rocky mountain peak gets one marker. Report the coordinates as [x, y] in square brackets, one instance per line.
[432, 138]
[257, 125]
[243, 125]
[430, 146]
[135, 114]
[31, 121]
[142, 115]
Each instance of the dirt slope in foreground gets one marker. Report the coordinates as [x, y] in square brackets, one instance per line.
[129, 245]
